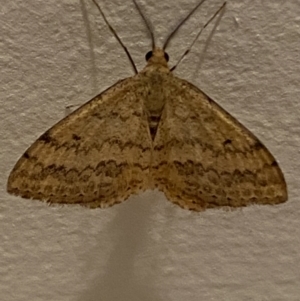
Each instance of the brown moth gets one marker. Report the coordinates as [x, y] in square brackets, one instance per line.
[152, 130]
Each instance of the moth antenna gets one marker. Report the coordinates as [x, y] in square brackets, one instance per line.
[117, 37]
[198, 35]
[180, 24]
[147, 24]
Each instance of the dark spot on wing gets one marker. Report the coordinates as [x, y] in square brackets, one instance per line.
[26, 155]
[46, 138]
[75, 137]
[258, 145]
[227, 141]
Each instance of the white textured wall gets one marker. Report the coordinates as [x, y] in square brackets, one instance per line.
[56, 53]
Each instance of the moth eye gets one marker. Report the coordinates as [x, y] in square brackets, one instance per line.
[166, 56]
[148, 55]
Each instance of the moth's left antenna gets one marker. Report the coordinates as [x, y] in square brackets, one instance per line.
[117, 37]
[147, 24]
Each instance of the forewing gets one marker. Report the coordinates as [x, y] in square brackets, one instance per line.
[204, 158]
[96, 156]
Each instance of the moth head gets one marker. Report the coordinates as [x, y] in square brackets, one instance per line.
[158, 57]
[149, 55]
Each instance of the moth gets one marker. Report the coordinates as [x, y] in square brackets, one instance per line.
[150, 131]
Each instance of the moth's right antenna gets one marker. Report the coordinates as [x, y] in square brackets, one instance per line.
[197, 36]
[180, 24]
[117, 37]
